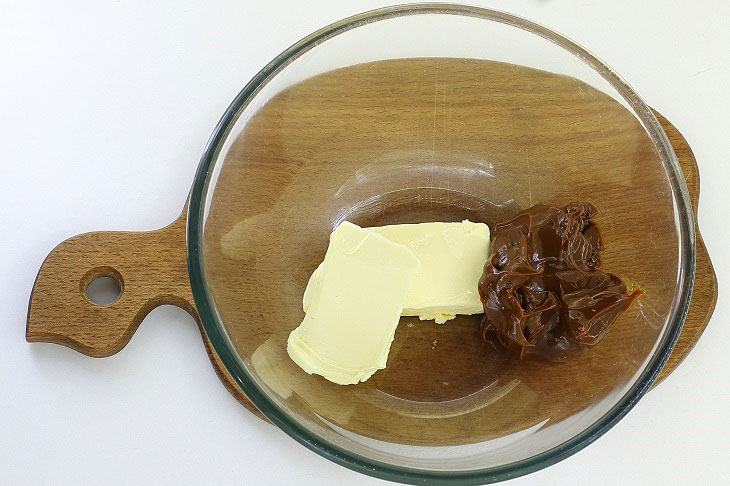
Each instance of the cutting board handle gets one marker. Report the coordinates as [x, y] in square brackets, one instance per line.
[150, 268]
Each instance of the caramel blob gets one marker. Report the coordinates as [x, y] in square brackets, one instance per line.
[543, 293]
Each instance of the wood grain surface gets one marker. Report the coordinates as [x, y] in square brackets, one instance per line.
[704, 294]
[151, 266]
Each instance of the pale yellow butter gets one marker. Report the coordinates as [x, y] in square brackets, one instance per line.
[452, 257]
[353, 306]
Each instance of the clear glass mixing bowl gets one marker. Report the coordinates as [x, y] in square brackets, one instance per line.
[435, 113]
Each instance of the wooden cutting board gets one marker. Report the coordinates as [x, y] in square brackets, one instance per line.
[151, 268]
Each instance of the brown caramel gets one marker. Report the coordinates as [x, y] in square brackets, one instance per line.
[543, 293]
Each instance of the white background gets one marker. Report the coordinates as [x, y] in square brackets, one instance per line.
[105, 107]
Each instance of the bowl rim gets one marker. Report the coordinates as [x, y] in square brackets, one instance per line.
[226, 352]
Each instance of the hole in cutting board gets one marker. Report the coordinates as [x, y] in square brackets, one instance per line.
[103, 291]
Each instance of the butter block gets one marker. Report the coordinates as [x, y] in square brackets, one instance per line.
[353, 306]
[452, 257]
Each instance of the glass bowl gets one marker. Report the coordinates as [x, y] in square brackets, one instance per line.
[435, 112]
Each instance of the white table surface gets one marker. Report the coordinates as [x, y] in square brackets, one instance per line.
[105, 107]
